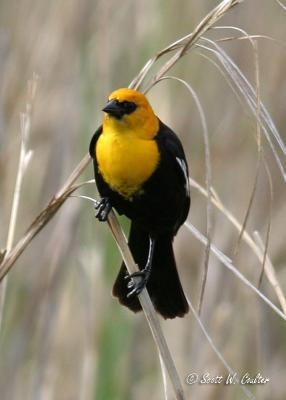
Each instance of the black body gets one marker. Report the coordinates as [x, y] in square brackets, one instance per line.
[158, 210]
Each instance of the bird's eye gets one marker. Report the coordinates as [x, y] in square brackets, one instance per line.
[128, 106]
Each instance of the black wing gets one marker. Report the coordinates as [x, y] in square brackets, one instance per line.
[174, 163]
[92, 151]
[93, 142]
[170, 142]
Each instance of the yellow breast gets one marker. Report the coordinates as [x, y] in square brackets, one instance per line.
[126, 161]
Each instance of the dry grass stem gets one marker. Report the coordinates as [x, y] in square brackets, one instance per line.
[269, 270]
[247, 392]
[43, 218]
[246, 37]
[259, 146]
[227, 262]
[24, 159]
[184, 44]
[269, 178]
[281, 4]
[148, 308]
[164, 376]
[247, 94]
[258, 140]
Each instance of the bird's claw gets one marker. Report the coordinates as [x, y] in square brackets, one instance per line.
[138, 284]
[103, 208]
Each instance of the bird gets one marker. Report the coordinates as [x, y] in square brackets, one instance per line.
[141, 171]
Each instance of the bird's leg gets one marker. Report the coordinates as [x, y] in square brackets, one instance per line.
[103, 208]
[141, 277]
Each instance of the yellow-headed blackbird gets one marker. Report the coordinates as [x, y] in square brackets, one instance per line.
[141, 170]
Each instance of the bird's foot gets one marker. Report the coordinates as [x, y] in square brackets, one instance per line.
[103, 208]
[138, 281]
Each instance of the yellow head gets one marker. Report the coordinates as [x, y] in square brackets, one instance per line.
[128, 111]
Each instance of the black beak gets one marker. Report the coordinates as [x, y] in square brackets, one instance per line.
[113, 108]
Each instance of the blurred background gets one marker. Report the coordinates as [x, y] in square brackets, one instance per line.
[63, 336]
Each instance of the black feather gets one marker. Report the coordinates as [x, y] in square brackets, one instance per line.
[164, 286]
[158, 210]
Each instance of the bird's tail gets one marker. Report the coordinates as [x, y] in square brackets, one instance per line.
[164, 285]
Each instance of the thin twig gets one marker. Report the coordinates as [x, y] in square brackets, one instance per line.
[259, 147]
[164, 376]
[275, 282]
[183, 45]
[244, 90]
[43, 218]
[269, 270]
[217, 351]
[227, 262]
[245, 35]
[147, 307]
[269, 178]
[24, 159]
[258, 140]
[283, 6]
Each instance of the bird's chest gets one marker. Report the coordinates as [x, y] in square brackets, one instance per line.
[126, 162]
